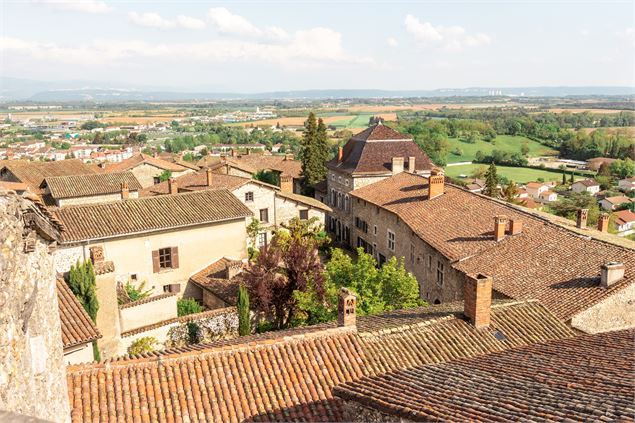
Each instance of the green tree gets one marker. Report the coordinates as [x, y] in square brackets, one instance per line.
[623, 168]
[165, 175]
[81, 280]
[510, 191]
[491, 181]
[244, 318]
[185, 306]
[524, 148]
[564, 178]
[314, 151]
[399, 287]
[134, 293]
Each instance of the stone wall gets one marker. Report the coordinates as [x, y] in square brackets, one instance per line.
[288, 209]
[32, 375]
[65, 257]
[614, 313]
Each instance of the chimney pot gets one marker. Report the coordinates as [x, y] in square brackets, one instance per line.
[583, 215]
[173, 186]
[515, 226]
[500, 224]
[346, 302]
[435, 186]
[411, 164]
[209, 177]
[477, 299]
[125, 191]
[397, 165]
[610, 273]
[340, 154]
[603, 222]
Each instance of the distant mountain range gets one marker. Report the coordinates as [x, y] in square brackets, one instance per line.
[21, 90]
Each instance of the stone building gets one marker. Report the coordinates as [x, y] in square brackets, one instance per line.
[370, 156]
[443, 232]
[33, 173]
[148, 169]
[63, 191]
[32, 376]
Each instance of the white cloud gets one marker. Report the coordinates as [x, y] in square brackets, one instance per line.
[86, 6]
[392, 42]
[154, 20]
[229, 23]
[451, 38]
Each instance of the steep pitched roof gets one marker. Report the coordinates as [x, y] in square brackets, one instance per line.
[141, 158]
[88, 185]
[575, 379]
[33, 173]
[546, 261]
[77, 327]
[371, 152]
[106, 220]
[290, 375]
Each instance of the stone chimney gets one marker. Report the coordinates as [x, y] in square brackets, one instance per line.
[346, 302]
[500, 224]
[340, 154]
[610, 273]
[173, 186]
[125, 191]
[411, 164]
[233, 269]
[397, 165]
[477, 299]
[289, 156]
[583, 214]
[435, 186]
[209, 177]
[286, 183]
[603, 222]
[515, 227]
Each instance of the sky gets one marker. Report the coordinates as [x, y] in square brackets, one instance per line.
[257, 46]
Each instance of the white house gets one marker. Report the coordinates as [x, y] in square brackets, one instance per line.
[586, 185]
[547, 197]
[534, 189]
[625, 222]
[611, 203]
[627, 184]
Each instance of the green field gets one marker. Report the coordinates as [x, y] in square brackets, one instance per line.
[359, 121]
[510, 143]
[516, 174]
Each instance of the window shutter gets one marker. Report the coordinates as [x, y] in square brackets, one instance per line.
[175, 257]
[155, 261]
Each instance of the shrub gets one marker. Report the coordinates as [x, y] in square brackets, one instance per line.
[244, 323]
[143, 345]
[134, 293]
[187, 306]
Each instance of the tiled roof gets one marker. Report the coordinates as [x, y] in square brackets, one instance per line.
[374, 155]
[289, 375]
[98, 221]
[87, 185]
[587, 183]
[546, 261]
[77, 327]
[586, 378]
[624, 216]
[617, 200]
[198, 181]
[214, 279]
[33, 173]
[140, 158]
[257, 162]
[146, 300]
[309, 201]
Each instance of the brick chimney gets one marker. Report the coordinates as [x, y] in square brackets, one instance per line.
[515, 227]
[209, 177]
[610, 273]
[397, 165]
[411, 164]
[173, 186]
[500, 224]
[233, 269]
[286, 183]
[603, 222]
[289, 156]
[477, 299]
[340, 154]
[125, 191]
[583, 214]
[435, 186]
[346, 302]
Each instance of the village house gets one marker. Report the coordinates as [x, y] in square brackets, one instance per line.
[443, 232]
[534, 189]
[547, 197]
[369, 156]
[626, 184]
[268, 203]
[92, 188]
[586, 185]
[159, 242]
[625, 222]
[290, 375]
[612, 203]
[148, 170]
[33, 173]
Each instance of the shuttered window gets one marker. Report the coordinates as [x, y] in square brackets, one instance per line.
[165, 258]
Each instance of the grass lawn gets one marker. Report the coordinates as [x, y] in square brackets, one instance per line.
[359, 121]
[516, 174]
[510, 143]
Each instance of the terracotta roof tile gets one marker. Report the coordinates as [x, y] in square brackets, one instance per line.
[303, 199]
[624, 216]
[257, 162]
[585, 378]
[98, 221]
[214, 279]
[88, 185]
[77, 327]
[140, 158]
[33, 173]
[196, 182]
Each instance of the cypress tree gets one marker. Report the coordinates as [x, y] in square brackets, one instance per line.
[564, 178]
[315, 150]
[571, 180]
[491, 181]
[244, 323]
[81, 281]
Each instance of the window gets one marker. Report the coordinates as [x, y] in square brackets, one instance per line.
[430, 261]
[381, 260]
[165, 258]
[346, 203]
[249, 196]
[156, 180]
[264, 215]
[412, 253]
[439, 272]
[262, 239]
[172, 288]
[304, 214]
[391, 240]
[375, 230]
